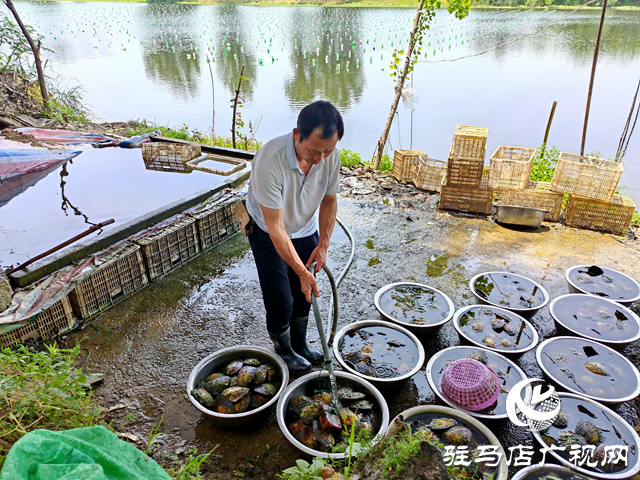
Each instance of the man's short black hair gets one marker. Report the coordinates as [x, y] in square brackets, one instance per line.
[320, 114]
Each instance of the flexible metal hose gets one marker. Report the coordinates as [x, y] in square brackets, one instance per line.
[332, 324]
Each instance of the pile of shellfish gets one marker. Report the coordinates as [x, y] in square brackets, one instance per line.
[321, 424]
[240, 386]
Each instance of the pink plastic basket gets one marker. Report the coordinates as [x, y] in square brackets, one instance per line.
[470, 384]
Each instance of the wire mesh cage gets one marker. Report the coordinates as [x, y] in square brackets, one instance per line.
[585, 176]
[511, 167]
[169, 157]
[405, 163]
[613, 216]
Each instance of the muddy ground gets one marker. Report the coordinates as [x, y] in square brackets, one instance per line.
[148, 344]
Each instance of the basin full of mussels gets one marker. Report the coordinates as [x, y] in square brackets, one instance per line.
[319, 424]
[238, 384]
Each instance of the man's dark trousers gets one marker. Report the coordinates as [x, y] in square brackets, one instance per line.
[281, 291]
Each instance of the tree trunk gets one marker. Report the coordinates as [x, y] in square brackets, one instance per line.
[235, 105]
[36, 53]
[213, 104]
[385, 133]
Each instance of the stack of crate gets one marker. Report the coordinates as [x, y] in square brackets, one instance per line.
[590, 183]
[466, 184]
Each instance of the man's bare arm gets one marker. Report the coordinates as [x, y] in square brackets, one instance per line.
[275, 224]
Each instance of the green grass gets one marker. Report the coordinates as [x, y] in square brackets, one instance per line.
[386, 164]
[42, 390]
[191, 135]
[635, 220]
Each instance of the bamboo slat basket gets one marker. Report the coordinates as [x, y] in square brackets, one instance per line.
[405, 163]
[169, 157]
[121, 274]
[586, 176]
[53, 321]
[536, 195]
[469, 142]
[613, 216]
[169, 246]
[429, 173]
[511, 167]
[237, 164]
[467, 199]
[216, 224]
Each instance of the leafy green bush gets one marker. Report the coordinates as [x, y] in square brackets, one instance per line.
[635, 220]
[545, 163]
[386, 163]
[42, 390]
[349, 158]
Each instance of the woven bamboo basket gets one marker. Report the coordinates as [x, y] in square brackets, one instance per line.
[613, 216]
[536, 195]
[405, 163]
[53, 321]
[588, 177]
[169, 157]
[237, 164]
[122, 274]
[429, 173]
[469, 142]
[170, 246]
[511, 167]
[216, 224]
[467, 199]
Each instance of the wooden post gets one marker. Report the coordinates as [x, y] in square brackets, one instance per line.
[235, 105]
[36, 53]
[593, 74]
[546, 134]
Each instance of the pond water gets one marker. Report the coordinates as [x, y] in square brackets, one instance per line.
[149, 61]
[97, 185]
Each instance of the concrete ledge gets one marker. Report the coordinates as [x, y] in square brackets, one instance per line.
[77, 252]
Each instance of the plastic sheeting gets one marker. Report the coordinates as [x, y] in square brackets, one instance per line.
[66, 137]
[90, 453]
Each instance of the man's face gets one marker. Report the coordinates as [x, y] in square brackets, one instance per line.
[314, 149]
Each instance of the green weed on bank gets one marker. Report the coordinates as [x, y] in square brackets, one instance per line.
[191, 135]
[42, 390]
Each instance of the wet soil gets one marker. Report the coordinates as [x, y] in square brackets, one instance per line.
[149, 343]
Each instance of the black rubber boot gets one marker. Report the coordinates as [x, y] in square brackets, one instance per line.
[282, 344]
[299, 340]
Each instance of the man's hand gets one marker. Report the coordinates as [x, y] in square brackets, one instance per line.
[319, 255]
[308, 284]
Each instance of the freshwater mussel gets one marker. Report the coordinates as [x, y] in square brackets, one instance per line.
[242, 385]
[442, 431]
[489, 327]
[320, 423]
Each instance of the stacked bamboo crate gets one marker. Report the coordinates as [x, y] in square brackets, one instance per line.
[465, 186]
[591, 183]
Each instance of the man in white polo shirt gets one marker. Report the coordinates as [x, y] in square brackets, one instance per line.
[293, 177]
